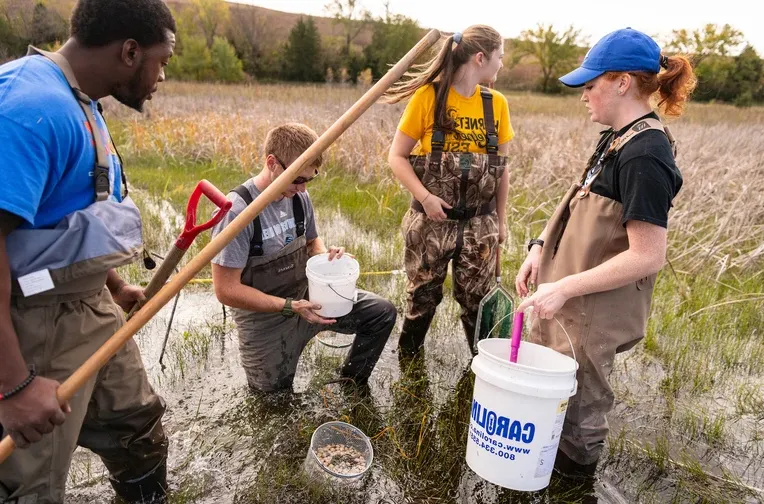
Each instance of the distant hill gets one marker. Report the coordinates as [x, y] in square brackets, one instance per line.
[280, 23]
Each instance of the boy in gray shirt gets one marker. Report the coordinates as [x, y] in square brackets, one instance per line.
[261, 275]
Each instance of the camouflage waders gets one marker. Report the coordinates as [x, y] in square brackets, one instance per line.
[469, 236]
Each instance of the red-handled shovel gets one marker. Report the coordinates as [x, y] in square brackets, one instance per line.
[187, 237]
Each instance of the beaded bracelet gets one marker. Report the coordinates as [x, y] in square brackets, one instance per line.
[19, 387]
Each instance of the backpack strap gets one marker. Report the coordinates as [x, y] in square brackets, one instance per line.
[492, 138]
[299, 214]
[101, 174]
[256, 245]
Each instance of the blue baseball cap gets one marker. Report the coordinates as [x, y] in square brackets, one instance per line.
[624, 50]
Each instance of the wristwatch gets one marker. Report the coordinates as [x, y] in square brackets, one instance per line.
[287, 310]
[533, 242]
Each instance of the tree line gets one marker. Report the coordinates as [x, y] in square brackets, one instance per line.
[224, 43]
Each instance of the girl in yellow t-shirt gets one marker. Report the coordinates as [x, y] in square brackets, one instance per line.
[449, 152]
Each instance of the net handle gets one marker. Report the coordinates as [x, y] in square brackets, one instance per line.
[498, 264]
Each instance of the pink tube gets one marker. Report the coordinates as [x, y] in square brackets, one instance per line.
[517, 333]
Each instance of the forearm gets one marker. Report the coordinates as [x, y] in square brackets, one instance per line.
[316, 246]
[248, 298]
[404, 172]
[114, 282]
[623, 269]
[13, 369]
[542, 235]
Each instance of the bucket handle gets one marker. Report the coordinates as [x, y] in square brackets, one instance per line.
[570, 342]
[567, 336]
[355, 294]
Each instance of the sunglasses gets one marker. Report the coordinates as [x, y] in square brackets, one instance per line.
[298, 180]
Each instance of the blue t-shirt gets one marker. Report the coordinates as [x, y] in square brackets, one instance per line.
[47, 153]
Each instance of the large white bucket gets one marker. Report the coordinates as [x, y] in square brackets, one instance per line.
[332, 284]
[517, 413]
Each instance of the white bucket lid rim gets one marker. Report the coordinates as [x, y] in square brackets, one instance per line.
[352, 269]
[530, 369]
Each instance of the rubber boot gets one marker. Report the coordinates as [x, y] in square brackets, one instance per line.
[412, 335]
[148, 489]
[568, 468]
[470, 323]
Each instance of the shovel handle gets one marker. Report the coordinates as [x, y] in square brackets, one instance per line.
[171, 260]
[191, 230]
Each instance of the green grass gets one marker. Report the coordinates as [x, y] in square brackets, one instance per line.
[700, 341]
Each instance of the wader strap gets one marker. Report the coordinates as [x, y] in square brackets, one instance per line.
[671, 139]
[492, 139]
[125, 191]
[618, 143]
[639, 127]
[101, 174]
[465, 164]
[256, 245]
[438, 140]
[457, 214]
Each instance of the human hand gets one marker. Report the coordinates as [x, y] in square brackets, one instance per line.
[127, 295]
[307, 311]
[529, 271]
[33, 412]
[433, 207]
[336, 252]
[546, 301]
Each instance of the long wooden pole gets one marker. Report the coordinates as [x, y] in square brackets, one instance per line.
[78, 379]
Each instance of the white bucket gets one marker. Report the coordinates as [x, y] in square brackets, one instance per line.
[517, 413]
[331, 284]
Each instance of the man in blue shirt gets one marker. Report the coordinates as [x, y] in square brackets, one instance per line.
[66, 223]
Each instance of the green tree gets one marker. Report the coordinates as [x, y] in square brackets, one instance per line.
[302, 53]
[393, 36]
[226, 66]
[721, 76]
[352, 17]
[713, 73]
[194, 63]
[746, 83]
[557, 53]
[211, 17]
[253, 40]
[711, 40]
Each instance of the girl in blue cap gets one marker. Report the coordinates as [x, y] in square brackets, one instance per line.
[450, 153]
[596, 261]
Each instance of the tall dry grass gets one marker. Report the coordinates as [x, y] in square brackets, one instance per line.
[717, 220]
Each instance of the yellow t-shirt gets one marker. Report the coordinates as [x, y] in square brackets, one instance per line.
[419, 117]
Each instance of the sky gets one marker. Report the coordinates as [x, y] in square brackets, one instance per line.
[595, 18]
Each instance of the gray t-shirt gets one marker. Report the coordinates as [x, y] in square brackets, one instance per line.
[277, 220]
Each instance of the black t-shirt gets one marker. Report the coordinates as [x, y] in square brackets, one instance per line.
[642, 176]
